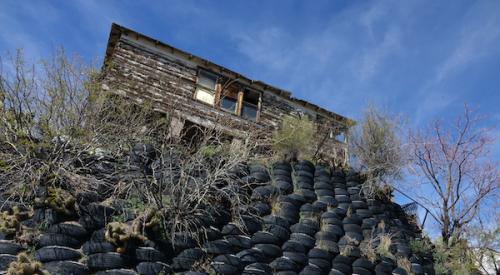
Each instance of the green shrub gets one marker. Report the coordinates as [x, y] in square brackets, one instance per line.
[294, 137]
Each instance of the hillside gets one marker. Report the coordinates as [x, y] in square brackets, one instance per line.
[299, 219]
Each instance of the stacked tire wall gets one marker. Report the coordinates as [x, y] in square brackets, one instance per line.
[303, 219]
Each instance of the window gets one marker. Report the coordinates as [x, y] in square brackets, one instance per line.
[229, 99]
[205, 90]
[228, 104]
[250, 104]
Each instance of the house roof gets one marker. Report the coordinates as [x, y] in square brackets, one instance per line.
[117, 31]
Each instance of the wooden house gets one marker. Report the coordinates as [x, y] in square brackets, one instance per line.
[197, 91]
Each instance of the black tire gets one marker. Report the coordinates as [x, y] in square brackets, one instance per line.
[355, 197]
[272, 219]
[343, 259]
[330, 201]
[333, 228]
[384, 268]
[361, 271]
[10, 248]
[326, 236]
[271, 251]
[56, 253]
[285, 187]
[330, 246]
[92, 247]
[343, 199]
[105, 261]
[311, 270]
[353, 219]
[340, 185]
[5, 260]
[319, 253]
[417, 269]
[306, 240]
[321, 263]
[264, 193]
[51, 239]
[352, 228]
[260, 177]
[363, 263]
[304, 165]
[257, 269]
[149, 268]
[336, 272]
[340, 191]
[239, 242]
[282, 233]
[98, 236]
[230, 260]
[339, 211]
[116, 272]
[250, 256]
[231, 229]
[353, 190]
[263, 237]
[296, 199]
[284, 264]
[253, 168]
[320, 205]
[293, 246]
[364, 213]
[342, 267]
[303, 228]
[149, 254]
[72, 229]
[299, 258]
[281, 172]
[223, 268]
[359, 205]
[261, 208]
[309, 195]
[304, 174]
[66, 268]
[332, 221]
[218, 247]
[332, 214]
[210, 233]
[324, 192]
[399, 271]
[251, 224]
[302, 184]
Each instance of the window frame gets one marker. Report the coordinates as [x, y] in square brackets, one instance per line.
[204, 88]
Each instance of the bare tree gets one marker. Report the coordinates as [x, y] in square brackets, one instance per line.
[454, 161]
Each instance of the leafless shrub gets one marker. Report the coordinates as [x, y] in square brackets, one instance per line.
[376, 150]
[52, 124]
[405, 264]
[25, 265]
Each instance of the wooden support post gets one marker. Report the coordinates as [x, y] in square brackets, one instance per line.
[176, 125]
[240, 103]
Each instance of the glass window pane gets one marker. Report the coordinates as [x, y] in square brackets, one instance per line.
[207, 80]
[228, 104]
[249, 111]
[205, 96]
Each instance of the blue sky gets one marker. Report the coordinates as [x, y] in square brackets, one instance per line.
[423, 59]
